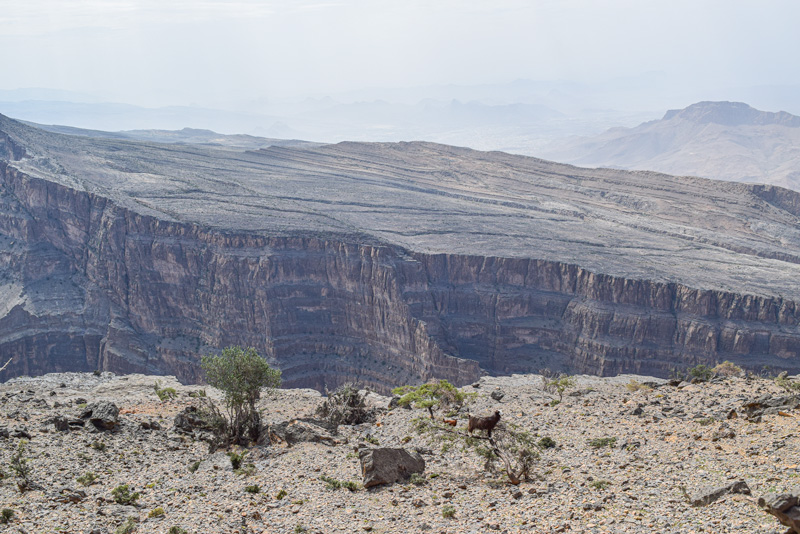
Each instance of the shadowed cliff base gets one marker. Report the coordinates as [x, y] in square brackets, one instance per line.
[384, 263]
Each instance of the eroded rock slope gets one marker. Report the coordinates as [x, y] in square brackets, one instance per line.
[386, 263]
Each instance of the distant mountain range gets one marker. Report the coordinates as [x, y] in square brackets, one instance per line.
[722, 140]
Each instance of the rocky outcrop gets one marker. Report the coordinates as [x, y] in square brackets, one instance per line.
[100, 277]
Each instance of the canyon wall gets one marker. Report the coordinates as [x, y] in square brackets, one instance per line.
[87, 284]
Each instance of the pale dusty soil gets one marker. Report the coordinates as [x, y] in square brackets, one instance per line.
[664, 451]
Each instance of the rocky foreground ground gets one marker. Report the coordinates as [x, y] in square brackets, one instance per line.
[672, 445]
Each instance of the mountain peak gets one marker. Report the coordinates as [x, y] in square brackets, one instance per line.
[731, 114]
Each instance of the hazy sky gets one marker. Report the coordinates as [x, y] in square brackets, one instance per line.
[157, 52]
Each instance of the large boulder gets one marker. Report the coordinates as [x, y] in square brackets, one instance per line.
[387, 466]
[786, 507]
[299, 431]
[103, 415]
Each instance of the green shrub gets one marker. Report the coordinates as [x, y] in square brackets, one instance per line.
[634, 386]
[281, 494]
[87, 479]
[433, 395]
[99, 446]
[727, 369]
[6, 515]
[701, 372]
[416, 479]
[558, 384]
[164, 394]
[790, 386]
[333, 484]
[252, 488]
[346, 406]
[177, 530]
[127, 527]
[236, 459]
[122, 495]
[372, 440]
[600, 484]
[240, 375]
[21, 466]
[546, 443]
[156, 512]
[448, 511]
[599, 443]
[194, 466]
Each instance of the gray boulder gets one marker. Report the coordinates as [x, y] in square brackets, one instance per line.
[709, 495]
[387, 466]
[785, 507]
[299, 431]
[103, 415]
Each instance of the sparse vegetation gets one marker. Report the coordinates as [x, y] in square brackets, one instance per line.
[164, 394]
[346, 406]
[88, 479]
[727, 369]
[99, 446]
[435, 395]
[177, 530]
[701, 372]
[241, 375]
[122, 495]
[600, 443]
[253, 488]
[236, 459]
[281, 494]
[21, 466]
[372, 440]
[156, 512]
[557, 384]
[546, 443]
[417, 479]
[127, 527]
[448, 511]
[6, 515]
[333, 484]
[634, 386]
[600, 484]
[790, 386]
[194, 466]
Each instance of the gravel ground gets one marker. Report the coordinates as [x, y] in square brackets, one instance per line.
[678, 442]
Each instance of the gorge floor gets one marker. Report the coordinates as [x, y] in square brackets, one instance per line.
[672, 448]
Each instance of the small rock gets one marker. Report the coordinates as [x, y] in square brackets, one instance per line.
[709, 495]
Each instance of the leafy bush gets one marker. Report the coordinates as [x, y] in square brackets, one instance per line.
[546, 443]
[281, 494]
[127, 527]
[433, 395]
[346, 406]
[236, 459]
[241, 375]
[701, 372]
[599, 443]
[164, 394]
[6, 515]
[21, 466]
[333, 484]
[252, 489]
[177, 530]
[156, 512]
[122, 495]
[417, 479]
[634, 386]
[87, 479]
[557, 384]
[448, 511]
[727, 369]
[790, 386]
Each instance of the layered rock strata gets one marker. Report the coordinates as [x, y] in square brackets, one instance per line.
[387, 264]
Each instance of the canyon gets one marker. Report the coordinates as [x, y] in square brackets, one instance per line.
[385, 263]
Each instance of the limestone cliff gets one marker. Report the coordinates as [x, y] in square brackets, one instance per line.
[388, 264]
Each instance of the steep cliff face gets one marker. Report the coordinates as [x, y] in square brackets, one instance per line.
[98, 271]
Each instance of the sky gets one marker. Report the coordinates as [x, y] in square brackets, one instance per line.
[207, 52]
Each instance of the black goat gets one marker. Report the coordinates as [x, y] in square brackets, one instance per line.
[483, 423]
